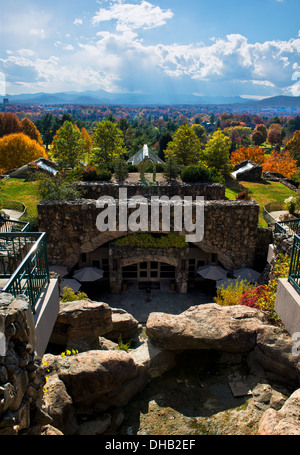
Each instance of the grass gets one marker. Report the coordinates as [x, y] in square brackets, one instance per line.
[21, 191]
[262, 192]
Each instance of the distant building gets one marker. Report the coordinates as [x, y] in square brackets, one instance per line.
[145, 154]
[5, 101]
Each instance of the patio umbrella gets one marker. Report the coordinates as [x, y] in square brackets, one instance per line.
[212, 272]
[70, 283]
[60, 269]
[247, 274]
[88, 274]
[225, 282]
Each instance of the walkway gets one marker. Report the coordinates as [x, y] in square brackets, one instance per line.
[13, 214]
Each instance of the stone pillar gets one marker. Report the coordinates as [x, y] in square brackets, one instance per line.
[21, 379]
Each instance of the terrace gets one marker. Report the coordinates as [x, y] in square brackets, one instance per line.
[24, 272]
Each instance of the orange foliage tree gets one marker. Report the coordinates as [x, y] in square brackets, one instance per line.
[282, 163]
[255, 154]
[18, 149]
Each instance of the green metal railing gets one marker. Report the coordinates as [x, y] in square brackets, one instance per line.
[24, 262]
[294, 273]
[288, 227]
[272, 207]
[14, 226]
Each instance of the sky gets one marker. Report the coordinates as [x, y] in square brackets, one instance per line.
[248, 48]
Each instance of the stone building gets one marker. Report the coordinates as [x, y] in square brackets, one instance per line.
[74, 240]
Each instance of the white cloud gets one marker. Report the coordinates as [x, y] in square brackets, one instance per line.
[78, 21]
[37, 32]
[128, 15]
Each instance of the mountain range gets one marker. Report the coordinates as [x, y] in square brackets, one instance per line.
[101, 97]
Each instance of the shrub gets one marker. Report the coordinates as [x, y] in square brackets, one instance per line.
[196, 174]
[104, 175]
[90, 174]
[70, 296]
[57, 188]
[232, 294]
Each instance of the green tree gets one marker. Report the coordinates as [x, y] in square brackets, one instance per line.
[217, 151]
[108, 142]
[68, 146]
[172, 170]
[185, 147]
[121, 170]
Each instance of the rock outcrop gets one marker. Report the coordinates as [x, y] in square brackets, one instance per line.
[230, 329]
[285, 421]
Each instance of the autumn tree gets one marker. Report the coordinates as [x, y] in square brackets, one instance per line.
[28, 127]
[263, 130]
[108, 142]
[9, 124]
[185, 148]
[255, 154]
[18, 149]
[293, 146]
[217, 151]
[281, 162]
[257, 137]
[87, 144]
[68, 146]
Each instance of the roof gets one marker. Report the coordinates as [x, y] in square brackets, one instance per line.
[39, 164]
[144, 154]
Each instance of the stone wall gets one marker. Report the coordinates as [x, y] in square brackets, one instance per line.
[230, 230]
[21, 379]
[94, 190]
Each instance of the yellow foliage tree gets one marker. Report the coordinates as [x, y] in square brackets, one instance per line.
[282, 163]
[18, 149]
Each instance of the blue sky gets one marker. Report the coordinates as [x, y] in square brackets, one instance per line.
[202, 47]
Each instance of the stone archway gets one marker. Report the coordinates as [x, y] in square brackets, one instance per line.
[120, 257]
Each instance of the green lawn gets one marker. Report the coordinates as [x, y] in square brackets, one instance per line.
[262, 193]
[21, 191]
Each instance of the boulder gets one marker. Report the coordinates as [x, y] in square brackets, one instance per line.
[153, 359]
[284, 421]
[124, 325]
[81, 320]
[210, 327]
[96, 376]
[274, 352]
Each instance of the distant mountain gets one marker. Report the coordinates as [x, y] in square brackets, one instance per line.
[101, 97]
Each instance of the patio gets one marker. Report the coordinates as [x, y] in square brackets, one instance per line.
[135, 301]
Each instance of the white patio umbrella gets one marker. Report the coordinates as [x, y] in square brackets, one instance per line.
[212, 272]
[88, 274]
[246, 274]
[70, 283]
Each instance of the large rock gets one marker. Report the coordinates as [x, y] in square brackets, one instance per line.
[81, 320]
[124, 325]
[274, 351]
[94, 376]
[230, 329]
[282, 422]
[155, 361]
